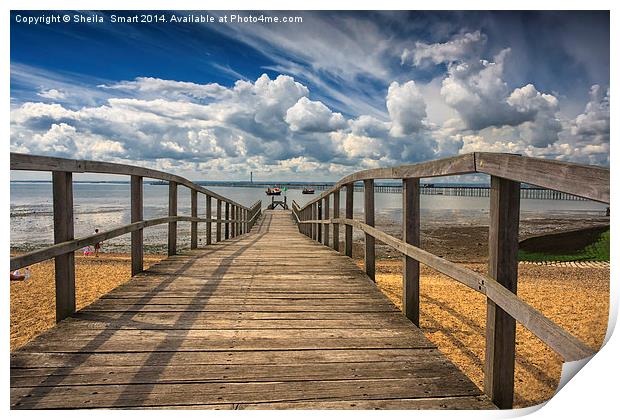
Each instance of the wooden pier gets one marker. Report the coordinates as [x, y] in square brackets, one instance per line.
[272, 313]
[270, 319]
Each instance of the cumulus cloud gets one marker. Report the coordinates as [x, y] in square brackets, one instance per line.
[313, 116]
[592, 126]
[460, 47]
[406, 108]
[477, 91]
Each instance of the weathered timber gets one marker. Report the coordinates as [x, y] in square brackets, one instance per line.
[64, 265]
[411, 235]
[228, 324]
[137, 214]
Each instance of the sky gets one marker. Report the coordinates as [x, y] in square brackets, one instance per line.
[312, 100]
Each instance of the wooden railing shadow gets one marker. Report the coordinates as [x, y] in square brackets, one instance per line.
[202, 298]
[504, 307]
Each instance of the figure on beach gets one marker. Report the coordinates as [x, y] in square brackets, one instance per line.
[19, 276]
[97, 245]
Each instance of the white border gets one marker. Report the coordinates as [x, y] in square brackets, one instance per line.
[591, 395]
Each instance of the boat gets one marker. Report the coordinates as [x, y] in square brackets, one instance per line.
[273, 191]
[308, 191]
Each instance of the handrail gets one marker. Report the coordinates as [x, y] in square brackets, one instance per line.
[587, 181]
[24, 162]
[504, 307]
[55, 250]
[237, 219]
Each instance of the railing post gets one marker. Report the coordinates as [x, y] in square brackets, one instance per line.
[326, 217]
[238, 223]
[319, 216]
[218, 224]
[227, 224]
[411, 235]
[137, 214]
[64, 265]
[172, 211]
[208, 216]
[313, 217]
[369, 219]
[336, 227]
[194, 225]
[348, 214]
[500, 327]
[233, 225]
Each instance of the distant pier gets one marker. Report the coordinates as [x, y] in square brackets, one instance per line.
[527, 192]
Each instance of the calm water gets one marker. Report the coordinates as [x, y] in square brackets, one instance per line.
[105, 206]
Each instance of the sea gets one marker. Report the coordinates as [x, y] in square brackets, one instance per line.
[106, 205]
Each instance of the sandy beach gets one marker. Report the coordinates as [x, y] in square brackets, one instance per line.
[453, 317]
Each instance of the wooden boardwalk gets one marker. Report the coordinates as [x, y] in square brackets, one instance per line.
[266, 320]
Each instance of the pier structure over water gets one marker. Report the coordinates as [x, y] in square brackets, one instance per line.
[272, 312]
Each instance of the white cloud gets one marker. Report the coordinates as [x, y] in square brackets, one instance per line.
[53, 94]
[168, 88]
[460, 47]
[593, 126]
[406, 108]
[313, 116]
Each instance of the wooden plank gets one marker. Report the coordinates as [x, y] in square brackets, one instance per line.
[445, 403]
[586, 181]
[124, 375]
[348, 214]
[411, 235]
[137, 214]
[336, 226]
[153, 394]
[218, 226]
[172, 211]
[369, 218]
[64, 265]
[503, 265]
[209, 233]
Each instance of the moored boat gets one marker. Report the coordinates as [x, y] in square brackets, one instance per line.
[308, 191]
[273, 191]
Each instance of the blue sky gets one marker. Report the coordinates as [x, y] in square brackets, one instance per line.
[340, 92]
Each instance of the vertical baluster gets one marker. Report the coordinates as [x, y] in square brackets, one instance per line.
[411, 235]
[500, 328]
[348, 230]
[314, 217]
[319, 216]
[326, 217]
[194, 225]
[227, 224]
[172, 211]
[208, 217]
[137, 215]
[64, 265]
[218, 224]
[336, 227]
[369, 218]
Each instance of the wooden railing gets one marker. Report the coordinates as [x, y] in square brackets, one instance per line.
[238, 219]
[504, 307]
